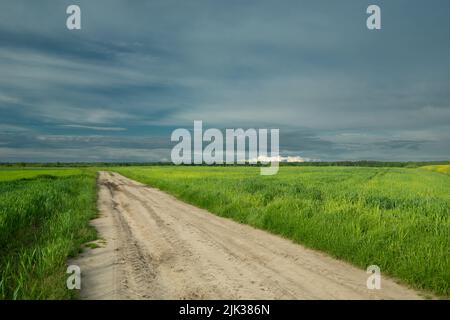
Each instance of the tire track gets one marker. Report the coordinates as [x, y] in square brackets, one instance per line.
[162, 248]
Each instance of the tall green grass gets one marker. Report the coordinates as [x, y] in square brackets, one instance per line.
[43, 221]
[396, 218]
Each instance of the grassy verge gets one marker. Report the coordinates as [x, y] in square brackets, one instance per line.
[44, 220]
[396, 218]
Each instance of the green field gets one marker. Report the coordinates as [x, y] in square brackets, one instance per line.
[44, 220]
[396, 218]
[9, 174]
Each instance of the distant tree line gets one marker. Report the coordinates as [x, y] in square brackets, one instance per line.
[362, 163]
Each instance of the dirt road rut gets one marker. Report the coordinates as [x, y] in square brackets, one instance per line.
[157, 247]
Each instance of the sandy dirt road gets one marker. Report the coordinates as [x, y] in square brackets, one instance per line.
[157, 247]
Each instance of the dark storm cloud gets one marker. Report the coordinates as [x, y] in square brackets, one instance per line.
[115, 89]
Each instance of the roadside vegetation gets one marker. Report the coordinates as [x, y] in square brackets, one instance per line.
[396, 218]
[44, 220]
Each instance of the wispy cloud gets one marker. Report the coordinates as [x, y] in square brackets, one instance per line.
[78, 126]
[8, 99]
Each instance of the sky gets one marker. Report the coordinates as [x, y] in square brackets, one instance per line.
[116, 89]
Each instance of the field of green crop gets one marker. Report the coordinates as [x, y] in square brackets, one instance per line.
[396, 218]
[9, 174]
[44, 220]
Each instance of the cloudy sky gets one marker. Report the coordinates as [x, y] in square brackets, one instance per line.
[116, 89]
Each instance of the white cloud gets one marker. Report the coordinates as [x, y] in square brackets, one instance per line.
[282, 159]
